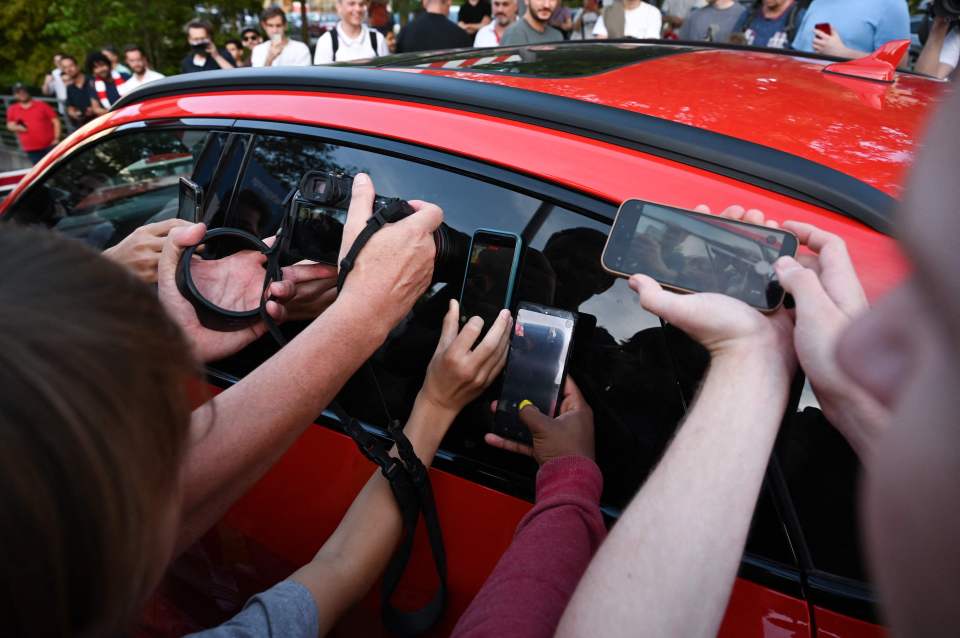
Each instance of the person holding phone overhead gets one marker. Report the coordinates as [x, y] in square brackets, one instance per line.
[278, 50]
[856, 27]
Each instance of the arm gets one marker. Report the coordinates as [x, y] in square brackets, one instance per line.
[276, 48]
[241, 432]
[670, 561]
[221, 60]
[473, 27]
[57, 127]
[16, 128]
[95, 107]
[533, 581]
[929, 60]
[351, 560]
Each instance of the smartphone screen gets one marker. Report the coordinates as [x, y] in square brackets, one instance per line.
[695, 252]
[491, 272]
[825, 27]
[317, 232]
[190, 201]
[536, 366]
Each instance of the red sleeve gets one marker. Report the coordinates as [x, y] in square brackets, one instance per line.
[535, 578]
[12, 112]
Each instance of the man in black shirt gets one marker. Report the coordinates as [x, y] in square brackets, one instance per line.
[433, 30]
[474, 15]
[204, 54]
[79, 111]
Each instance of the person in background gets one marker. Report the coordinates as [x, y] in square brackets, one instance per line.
[675, 12]
[474, 15]
[350, 39]
[379, 16]
[534, 27]
[278, 49]
[857, 27]
[235, 48]
[37, 125]
[433, 29]
[770, 23]
[142, 73]
[712, 23]
[562, 20]
[941, 52]
[585, 19]
[250, 38]
[390, 37]
[105, 82]
[204, 54]
[79, 111]
[629, 18]
[54, 86]
[111, 52]
[504, 15]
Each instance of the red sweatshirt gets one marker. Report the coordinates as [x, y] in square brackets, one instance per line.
[534, 580]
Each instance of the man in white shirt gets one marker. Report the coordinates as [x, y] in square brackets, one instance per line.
[278, 49]
[629, 18]
[504, 14]
[351, 39]
[141, 73]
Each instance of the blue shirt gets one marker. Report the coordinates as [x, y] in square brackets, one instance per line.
[286, 610]
[864, 25]
[762, 32]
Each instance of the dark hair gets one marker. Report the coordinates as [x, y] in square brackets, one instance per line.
[67, 56]
[94, 419]
[96, 57]
[250, 30]
[109, 48]
[133, 47]
[273, 12]
[235, 42]
[198, 23]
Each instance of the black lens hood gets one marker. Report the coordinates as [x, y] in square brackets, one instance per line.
[211, 315]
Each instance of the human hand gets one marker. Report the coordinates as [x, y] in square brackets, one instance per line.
[829, 44]
[212, 50]
[828, 295]
[395, 266]
[234, 282]
[140, 250]
[315, 289]
[461, 368]
[569, 434]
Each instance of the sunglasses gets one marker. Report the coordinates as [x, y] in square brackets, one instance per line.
[250, 38]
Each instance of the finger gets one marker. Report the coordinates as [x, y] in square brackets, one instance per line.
[493, 406]
[163, 228]
[177, 240]
[809, 261]
[494, 440]
[836, 268]
[465, 341]
[754, 216]
[450, 326]
[771, 223]
[361, 208]
[304, 272]
[276, 311]
[282, 290]
[702, 208]
[653, 298]
[270, 241]
[812, 301]
[533, 418]
[427, 217]
[572, 397]
[495, 335]
[492, 367]
[733, 212]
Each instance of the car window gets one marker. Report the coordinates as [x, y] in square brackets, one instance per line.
[103, 192]
[621, 357]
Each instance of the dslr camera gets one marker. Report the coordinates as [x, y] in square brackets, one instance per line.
[946, 9]
[318, 213]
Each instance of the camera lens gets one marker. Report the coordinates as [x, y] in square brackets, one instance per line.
[451, 261]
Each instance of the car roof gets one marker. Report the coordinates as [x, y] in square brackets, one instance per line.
[865, 129]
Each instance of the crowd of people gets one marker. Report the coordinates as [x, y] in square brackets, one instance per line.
[841, 28]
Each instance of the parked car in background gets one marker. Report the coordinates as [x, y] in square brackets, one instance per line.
[543, 141]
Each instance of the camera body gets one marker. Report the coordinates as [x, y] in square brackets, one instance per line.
[946, 9]
[318, 213]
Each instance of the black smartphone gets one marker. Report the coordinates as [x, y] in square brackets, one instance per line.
[191, 201]
[536, 366]
[696, 252]
[488, 283]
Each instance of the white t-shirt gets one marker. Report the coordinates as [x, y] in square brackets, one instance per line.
[133, 82]
[487, 36]
[950, 53]
[294, 53]
[349, 48]
[643, 22]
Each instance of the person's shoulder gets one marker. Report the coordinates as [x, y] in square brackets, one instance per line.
[513, 34]
[300, 46]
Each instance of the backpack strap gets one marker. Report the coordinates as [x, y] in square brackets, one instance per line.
[373, 42]
[334, 42]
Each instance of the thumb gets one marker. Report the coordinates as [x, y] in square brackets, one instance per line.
[427, 216]
[361, 208]
[177, 240]
[805, 286]
[533, 418]
[653, 298]
[304, 272]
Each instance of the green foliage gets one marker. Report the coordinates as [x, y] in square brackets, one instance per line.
[36, 29]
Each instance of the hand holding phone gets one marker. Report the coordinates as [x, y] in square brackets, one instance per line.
[825, 27]
[695, 252]
[190, 202]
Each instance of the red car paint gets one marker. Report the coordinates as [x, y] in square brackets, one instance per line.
[779, 101]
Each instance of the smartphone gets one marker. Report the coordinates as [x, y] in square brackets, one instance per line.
[825, 27]
[696, 252]
[491, 274]
[191, 201]
[536, 366]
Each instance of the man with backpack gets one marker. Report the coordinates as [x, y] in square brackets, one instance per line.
[351, 39]
[771, 23]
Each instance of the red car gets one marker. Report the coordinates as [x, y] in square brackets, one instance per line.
[543, 141]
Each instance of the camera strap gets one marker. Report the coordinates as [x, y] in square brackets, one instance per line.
[394, 210]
